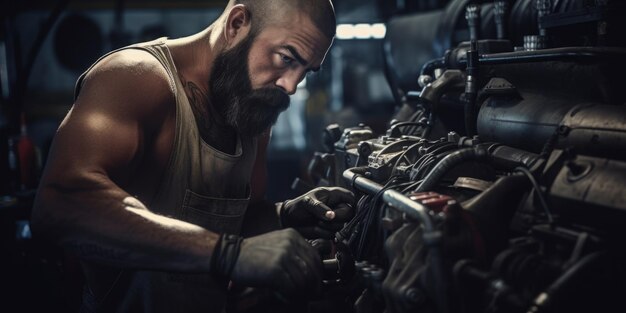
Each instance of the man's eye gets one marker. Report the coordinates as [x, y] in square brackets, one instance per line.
[286, 59]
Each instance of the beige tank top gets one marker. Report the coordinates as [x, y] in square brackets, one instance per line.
[200, 185]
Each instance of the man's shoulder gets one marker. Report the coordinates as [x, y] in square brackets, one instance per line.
[131, 78]
[131, 64]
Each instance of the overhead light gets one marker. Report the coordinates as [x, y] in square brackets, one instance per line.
[361, 31]
[378, 31]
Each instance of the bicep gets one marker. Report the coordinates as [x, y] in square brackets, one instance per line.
[93, 141]
[105, 131]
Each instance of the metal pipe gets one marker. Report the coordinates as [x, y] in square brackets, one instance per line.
[392, 197]
[555, 54]
[432, 237]
[471, 89]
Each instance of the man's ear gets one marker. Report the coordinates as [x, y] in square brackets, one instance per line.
[237, 25]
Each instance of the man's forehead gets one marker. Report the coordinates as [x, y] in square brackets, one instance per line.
[299, 33]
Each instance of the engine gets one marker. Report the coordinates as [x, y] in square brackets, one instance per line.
[499, 185]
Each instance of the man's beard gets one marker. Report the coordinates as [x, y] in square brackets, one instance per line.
[248, 111]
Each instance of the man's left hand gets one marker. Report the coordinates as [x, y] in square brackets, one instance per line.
[318, 213]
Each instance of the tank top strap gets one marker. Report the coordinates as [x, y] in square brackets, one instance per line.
[150, 47]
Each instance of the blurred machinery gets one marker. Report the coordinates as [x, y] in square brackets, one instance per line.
[499, 184]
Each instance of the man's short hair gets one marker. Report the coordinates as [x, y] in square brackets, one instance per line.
[321, 12]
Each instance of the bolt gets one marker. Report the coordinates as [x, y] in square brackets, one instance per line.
[414, 295]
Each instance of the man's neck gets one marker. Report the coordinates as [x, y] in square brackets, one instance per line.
[194, 56]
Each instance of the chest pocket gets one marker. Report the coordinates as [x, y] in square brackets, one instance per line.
[220, 215]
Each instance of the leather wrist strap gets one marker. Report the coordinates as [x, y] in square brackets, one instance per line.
[225, 256]
[280, 207]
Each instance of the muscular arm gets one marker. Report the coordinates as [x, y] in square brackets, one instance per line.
[121, 108]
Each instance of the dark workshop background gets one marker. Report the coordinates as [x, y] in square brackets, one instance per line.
[46, 45]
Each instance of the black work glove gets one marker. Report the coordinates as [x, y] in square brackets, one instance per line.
[281, 260]
[318, 213]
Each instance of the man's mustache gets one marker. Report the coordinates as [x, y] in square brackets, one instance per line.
[273, 98]
[257, 110]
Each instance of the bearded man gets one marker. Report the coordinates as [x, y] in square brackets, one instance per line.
[151, 172]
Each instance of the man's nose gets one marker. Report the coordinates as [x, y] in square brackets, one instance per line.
[288, 83]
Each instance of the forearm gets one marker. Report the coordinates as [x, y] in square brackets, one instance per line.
[102, 225]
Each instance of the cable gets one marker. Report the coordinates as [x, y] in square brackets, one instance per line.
[419, 114]
[371, 215]
[538, 191]
[404, 125]
[383, 210]
[550, 144]
[413, 185]
[411, 147]
[349, 227]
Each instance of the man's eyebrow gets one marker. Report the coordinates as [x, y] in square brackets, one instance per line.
[299, 58]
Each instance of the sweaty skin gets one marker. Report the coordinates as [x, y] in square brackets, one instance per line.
[112, 147]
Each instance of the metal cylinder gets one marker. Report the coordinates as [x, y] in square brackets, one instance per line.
[588, 128]
[523, 123]
[595, 130]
